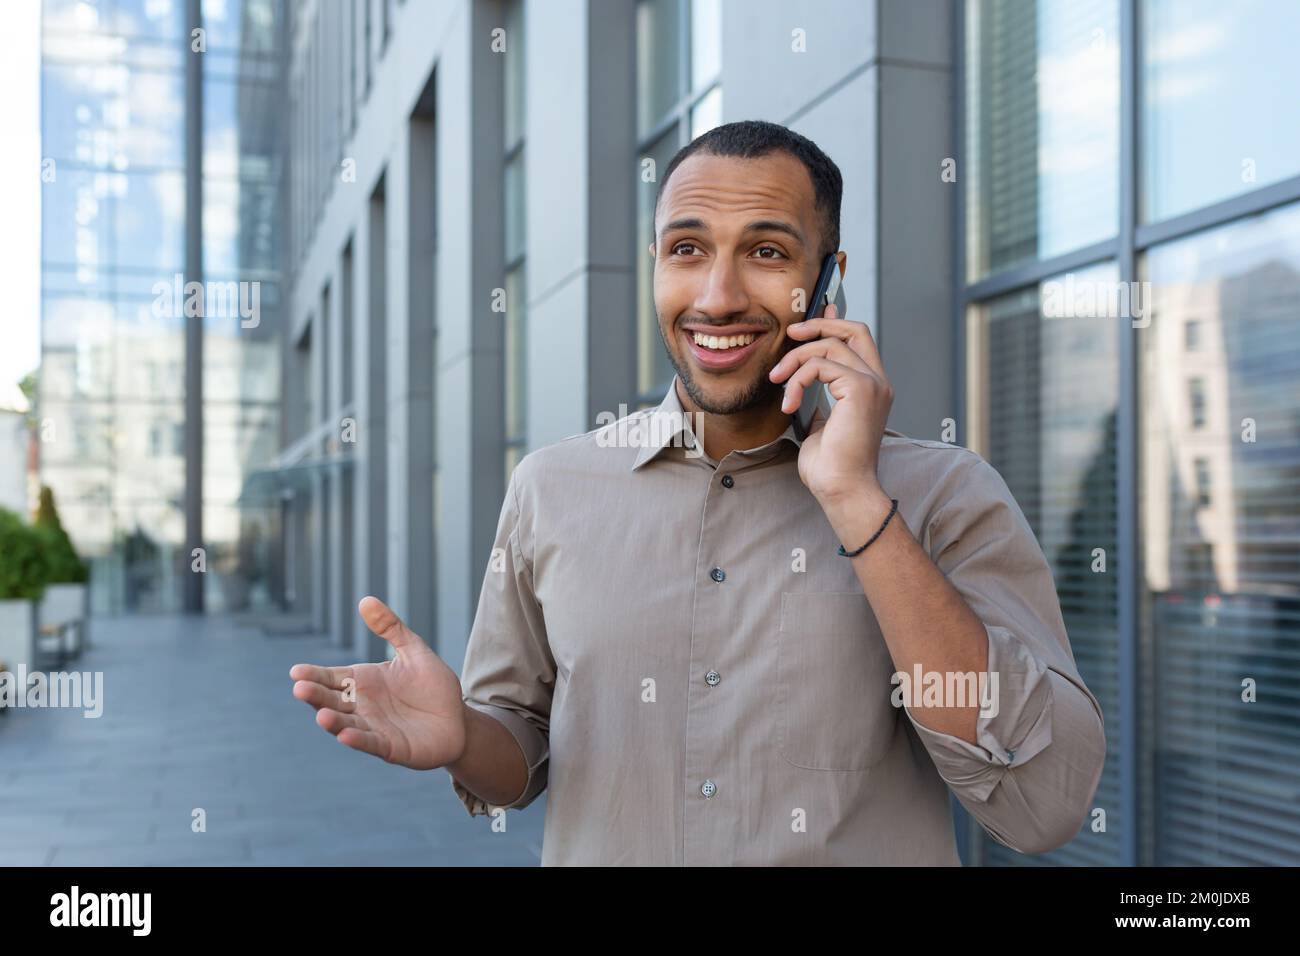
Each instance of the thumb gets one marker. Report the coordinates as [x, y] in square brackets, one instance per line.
[379, 617]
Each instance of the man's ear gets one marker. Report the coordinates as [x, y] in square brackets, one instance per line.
[843, 258]
[651, 248]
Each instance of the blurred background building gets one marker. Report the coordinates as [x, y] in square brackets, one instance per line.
[453, 198]
[114, 227]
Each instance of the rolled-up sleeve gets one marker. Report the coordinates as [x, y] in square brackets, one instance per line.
[1031, 776]
[509, 673]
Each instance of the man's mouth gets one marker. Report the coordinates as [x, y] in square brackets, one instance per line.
[722, 351]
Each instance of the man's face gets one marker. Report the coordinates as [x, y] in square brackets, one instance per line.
[736, 238]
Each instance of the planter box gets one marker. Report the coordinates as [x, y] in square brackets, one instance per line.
[17, 634]
[65, 604]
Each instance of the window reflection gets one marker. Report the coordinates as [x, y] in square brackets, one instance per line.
[1043, 401]
[1219, 500]
[1042, 114]
[113, 221]
[1233, 62]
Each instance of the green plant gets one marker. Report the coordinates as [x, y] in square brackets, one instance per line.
[24, 569]
[64, 567]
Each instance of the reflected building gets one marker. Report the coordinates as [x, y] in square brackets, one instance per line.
[112, 381]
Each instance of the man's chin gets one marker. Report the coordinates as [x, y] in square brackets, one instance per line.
[728, 394]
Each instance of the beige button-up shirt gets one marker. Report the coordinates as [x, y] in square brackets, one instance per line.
[698, 679]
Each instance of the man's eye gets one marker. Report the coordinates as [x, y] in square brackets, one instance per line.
[776, 253]
[683, 245]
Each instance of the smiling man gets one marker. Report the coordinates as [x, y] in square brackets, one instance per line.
[751, 645]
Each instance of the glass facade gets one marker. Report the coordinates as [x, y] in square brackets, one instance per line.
[112, 384]
[1235, 63]
[1042, 143]
[1133, 373]
[1045, 388]
[1220, 486]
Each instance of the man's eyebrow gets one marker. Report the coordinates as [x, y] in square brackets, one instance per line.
[759, 225]
[697, 224]
[775, 225]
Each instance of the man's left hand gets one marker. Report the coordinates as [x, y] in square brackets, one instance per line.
[839, 456]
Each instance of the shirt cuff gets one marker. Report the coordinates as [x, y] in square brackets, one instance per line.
[536, 750]
[1014, 727]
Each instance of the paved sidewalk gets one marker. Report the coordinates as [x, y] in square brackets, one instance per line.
[197, 713]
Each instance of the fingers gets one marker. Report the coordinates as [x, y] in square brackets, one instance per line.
[855, 334]
[811, 371]
[353, 732]
[334, 721]
[364, 740]
[833, 349]
[380, 618]
[320, 696]
[325, 676]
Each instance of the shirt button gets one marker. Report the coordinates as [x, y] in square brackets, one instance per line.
[718, 574]
[712, 678]
[708, 788]
[728, 481]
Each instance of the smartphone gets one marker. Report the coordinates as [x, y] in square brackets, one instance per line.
[828, 285]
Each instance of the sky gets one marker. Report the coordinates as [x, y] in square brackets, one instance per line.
[20, 196]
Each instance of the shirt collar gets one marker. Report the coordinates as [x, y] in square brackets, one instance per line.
[670, 425]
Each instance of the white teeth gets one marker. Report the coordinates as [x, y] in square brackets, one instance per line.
[723, 342]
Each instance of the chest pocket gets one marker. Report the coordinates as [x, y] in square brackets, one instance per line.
[833, 687]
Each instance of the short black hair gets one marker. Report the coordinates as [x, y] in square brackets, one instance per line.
[750, 139]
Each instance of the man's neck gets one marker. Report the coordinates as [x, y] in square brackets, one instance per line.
[723, 434]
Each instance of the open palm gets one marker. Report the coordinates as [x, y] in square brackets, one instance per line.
[407, 711]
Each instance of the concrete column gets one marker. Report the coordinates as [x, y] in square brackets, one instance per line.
[339, 587]
[316, 505]
[916, 215]
[582, 173]
[469, 267]
[370, 364]
[409, 184]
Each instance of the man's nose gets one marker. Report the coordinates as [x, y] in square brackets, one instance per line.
[723, 293]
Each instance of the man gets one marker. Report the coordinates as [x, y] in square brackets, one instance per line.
[692, 637]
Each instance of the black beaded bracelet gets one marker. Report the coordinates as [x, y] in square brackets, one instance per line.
[853, 554]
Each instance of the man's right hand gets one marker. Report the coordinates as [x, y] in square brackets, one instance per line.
[408, 710]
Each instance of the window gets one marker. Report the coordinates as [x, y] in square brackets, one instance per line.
[679, 97]
[350, 48]
[1196, 391]
[1196, 515]
[1222, 567]
[1044, 392]
[1042, 121]
[369, 31]
[1202, 483]
[1233, 62]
